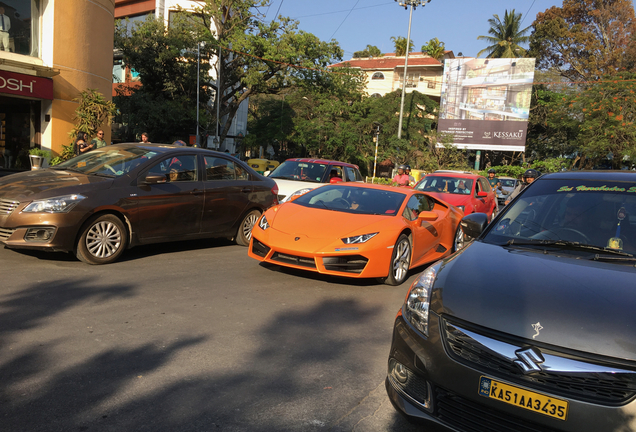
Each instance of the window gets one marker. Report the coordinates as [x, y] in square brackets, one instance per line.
[377, 76]
[412, 79]
[23, 26]
[217, 168]
[350, 174]
[376, 95]
[430, 84]
[416, 205]
[177, 169]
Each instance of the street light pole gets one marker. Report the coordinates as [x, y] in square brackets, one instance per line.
[405, 4]
[219, 97]
[198, 86]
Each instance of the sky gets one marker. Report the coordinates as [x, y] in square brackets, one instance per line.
[358, 23]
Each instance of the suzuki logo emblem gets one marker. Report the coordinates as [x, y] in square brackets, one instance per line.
[529, 361]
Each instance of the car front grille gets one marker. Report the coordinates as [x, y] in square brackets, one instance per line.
[7, 207]
[295, 260]
[5, 233]
[600, 383]
[466, 415]
[345, 264]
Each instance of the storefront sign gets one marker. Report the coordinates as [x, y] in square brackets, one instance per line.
[26, 85]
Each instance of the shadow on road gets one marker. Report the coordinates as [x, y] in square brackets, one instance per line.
[280, 386]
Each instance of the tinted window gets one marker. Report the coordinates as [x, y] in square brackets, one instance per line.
[353, 199]
[416, 205]
[452, 185]
[304, 171]
[218, 168]
[350, 173]
[108, 161]
[177, 169]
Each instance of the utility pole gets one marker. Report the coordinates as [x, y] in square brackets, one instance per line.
[405, 4]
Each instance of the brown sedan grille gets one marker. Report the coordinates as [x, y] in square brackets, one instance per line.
[5, 233]
[7, 207]
[600, 388]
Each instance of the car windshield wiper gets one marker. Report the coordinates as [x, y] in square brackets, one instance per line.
[103, 174]
[568, 244]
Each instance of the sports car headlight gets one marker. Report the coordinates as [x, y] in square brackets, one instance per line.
[359, 238]
[418, 299]
[263, 224]
[298, 192]
[62, 204]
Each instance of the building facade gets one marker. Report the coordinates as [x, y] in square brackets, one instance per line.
[50, 51]
[386, 74]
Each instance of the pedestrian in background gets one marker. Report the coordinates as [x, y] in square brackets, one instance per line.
[144, 138]
[99, 142]
[5, 26]
[81, 146]
[401, 178]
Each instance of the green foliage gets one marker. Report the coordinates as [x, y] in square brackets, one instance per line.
[92, 112]
[68, 151]
[552, 165]
[505, 37]
[380, 180]
[400, 45]
[434, 48]
[36, 151]
[369, 51]
[513, 171]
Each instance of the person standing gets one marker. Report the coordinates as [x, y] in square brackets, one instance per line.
[144, 138]
[81, 146]
[408, 173]
[99, 142]
[5, 26]
[492, 179]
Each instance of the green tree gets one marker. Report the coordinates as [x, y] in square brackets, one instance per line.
[505, 37]
[607, 111]
[254, 58]
[93, 112]
[434, 48]
[400, 45]
[369, 51]
[585, 39]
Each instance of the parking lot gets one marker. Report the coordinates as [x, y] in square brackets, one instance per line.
[191, 336]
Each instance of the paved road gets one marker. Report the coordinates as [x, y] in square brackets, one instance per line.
[191, 336]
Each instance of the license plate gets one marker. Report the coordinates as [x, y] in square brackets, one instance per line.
[522, 398]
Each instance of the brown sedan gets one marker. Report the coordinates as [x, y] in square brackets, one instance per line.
[104, 201]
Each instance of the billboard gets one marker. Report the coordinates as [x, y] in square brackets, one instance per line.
[485, 103]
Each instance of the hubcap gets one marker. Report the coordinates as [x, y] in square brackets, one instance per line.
[103, 239]
[250, 221]
[402, 260]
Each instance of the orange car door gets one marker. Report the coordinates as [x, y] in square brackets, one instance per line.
[426, 235]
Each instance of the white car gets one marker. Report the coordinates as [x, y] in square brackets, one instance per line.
[299, 175]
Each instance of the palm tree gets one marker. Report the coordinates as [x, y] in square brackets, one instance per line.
[505, 37]
[400, 45]
[434, 48]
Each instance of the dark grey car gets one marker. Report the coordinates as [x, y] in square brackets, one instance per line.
[550, 347]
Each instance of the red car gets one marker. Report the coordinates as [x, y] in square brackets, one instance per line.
[471, 193]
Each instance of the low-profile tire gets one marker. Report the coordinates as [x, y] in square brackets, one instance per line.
[244, 234]
[460, 239]
[400, 261]
[102, 241]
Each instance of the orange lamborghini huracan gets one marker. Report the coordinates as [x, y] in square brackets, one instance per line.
[357, 230]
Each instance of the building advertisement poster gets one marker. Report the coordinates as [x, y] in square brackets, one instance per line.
[485, 103]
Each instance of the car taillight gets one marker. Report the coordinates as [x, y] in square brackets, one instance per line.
[275, 192]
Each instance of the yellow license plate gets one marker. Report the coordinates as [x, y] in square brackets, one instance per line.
[522, 398]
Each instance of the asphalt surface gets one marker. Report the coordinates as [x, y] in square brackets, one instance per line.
[191, 336]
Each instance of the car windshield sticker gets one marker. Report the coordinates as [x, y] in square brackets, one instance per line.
[604, 188]
[81, 164]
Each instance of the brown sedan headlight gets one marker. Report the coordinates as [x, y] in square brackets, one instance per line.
[60, 204]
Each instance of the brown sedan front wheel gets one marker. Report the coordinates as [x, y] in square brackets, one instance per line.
[103, 240]
[244, 234]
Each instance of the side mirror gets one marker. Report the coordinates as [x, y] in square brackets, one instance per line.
[474, 224]
[428, 216]
[335, 180]
[154, 179]
[482, 194]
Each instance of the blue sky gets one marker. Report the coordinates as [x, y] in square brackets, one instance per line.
[357, 23]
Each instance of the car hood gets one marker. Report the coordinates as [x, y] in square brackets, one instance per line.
[579, 304]
[288, 187]
[49, 183]
[294, 219]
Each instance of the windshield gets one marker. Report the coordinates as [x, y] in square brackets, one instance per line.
[352, 199]
[600, 214]
[108, 161]
[452, 185]
[302, 171]
[510, 183]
